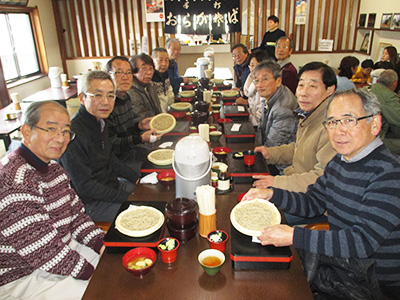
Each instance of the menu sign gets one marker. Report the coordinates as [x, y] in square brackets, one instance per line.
[199, 17]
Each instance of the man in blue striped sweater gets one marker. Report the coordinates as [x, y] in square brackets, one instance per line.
[360, 191]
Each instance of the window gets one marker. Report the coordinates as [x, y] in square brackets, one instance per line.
[18, 49]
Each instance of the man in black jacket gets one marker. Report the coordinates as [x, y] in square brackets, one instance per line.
[100, 179]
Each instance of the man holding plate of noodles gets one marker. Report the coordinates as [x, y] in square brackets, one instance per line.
[358, 257]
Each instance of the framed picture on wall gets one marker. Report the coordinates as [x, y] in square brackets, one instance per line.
[361, 20]
[381, 47]
[396, 21]
[386, 20]
[365, 43]
[371, 20]
[14, 2]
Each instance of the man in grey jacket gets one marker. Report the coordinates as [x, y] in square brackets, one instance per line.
[278, 124]
[144, 96]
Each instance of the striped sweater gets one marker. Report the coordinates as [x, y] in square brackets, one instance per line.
[39, 215]
[123, 130]
[362, 199]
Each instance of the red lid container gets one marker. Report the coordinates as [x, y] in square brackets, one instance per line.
[181, 211]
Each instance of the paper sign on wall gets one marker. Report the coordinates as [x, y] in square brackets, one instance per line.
[325, 45]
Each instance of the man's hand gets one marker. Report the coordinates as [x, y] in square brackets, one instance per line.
[258, 193]
[147, 134]
[263, 181]
[264, 151]
[277, 235]
[241, 101]
[145, 124]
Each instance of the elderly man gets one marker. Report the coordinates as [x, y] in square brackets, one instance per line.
[127, 136]
[144, 96]
[161, 78]
[359, 189]
[278, 125]
[100, 179]
[49, 247]
[308, 156]
[173, 47]
[283, 50]
[240, 56]
[384, 90]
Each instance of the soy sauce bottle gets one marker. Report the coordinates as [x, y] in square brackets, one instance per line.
[223, 179]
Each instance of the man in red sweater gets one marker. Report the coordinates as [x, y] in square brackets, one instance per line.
[48, 246]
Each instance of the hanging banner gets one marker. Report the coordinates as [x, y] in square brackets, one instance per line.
[202, 16]
[155, 11]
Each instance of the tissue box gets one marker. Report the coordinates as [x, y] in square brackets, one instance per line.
[245, 134]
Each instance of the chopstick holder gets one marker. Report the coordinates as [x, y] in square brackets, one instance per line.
[204, 132]
[207, 213]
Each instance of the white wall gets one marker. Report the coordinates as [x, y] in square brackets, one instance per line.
[81, 65]
[52, 48]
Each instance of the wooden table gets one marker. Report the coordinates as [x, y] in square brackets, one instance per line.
[57, 94]
[185, 278]
[7, 127]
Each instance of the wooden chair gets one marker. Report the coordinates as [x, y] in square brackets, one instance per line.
[318, 226]
[103, 225]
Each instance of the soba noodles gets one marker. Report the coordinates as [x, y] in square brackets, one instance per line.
[255, 216]
[140, 219]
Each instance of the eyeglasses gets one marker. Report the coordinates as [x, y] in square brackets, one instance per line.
[99, 97]
[237, 55]
[53, 132]
[347, 122]
[121, 74]
[262, 80]
[146, 69]
[282, 47]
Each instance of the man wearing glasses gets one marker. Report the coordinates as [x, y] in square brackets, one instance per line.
[48, 246]
[100, 179]
[278, 124]
[144, 96]
[359, 189]
[127, 136]
[240, 56]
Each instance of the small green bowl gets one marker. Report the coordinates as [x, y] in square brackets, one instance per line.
[216, 106]
[215, 135]
[211, 253]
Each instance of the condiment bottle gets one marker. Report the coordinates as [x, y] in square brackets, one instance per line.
[214, 179]
[223, 180]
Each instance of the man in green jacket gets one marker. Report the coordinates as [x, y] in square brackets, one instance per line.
[384, 90]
